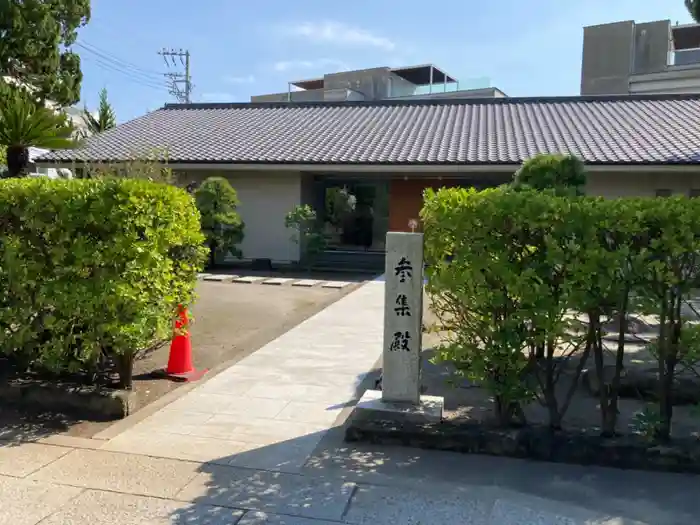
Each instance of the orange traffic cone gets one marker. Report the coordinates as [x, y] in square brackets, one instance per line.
[180, 367]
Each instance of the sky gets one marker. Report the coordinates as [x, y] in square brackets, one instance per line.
[242, 48]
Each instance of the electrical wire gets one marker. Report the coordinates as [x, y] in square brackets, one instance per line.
[118, 61]
[108, 66]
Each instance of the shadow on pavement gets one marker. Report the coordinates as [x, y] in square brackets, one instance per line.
[320, 477]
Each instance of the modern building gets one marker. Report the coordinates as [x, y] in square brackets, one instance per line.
[382, 83]
[364, 165]
[629, 58]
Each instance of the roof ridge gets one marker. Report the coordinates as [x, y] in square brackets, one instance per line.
[438, 101]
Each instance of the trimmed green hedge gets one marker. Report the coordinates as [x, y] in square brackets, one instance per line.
[507, 268]
[92, 271]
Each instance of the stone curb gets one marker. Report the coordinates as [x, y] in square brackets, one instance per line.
[533, 442]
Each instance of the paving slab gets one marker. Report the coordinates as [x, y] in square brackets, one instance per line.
[203, 275]
[256, 430]
[373, 505]
[289, 456]
[227, 404]
[131, 474]
[175, 446]
[249, 279]
[263, 518]
[509, 513]
[336, 284]
[27, 502]
[108, 508]
[20, 460]
[307, 283]
[220, 278]
[278, 280]
[306, 412]
[274, 492]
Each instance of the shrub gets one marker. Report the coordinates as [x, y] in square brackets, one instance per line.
[564, 174]
[221, 224]
[506, 268]
[93, 270]
[307, 234]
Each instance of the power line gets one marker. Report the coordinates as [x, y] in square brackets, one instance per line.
[117, 66]
[113, 58]
[182, 94]
[107, 66]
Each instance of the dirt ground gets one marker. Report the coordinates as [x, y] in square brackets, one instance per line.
[231, 320]
[465, 400]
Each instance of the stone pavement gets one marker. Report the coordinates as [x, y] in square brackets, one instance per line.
[260, 443]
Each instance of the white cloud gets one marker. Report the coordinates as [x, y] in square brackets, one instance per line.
[217, 96]
[340, 34]
[328, 64]
[246, 79]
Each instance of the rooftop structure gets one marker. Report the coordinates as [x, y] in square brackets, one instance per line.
[381, 83]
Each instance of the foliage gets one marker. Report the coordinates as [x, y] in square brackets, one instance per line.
[508, 268]
[307, 234]
[693, 7]
[222, 226]
[564, 174]
[24, 123]
[93, 270]
[152, 167]
[35, 40]
[105, 118]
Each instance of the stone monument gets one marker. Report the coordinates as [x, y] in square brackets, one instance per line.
[403, 315]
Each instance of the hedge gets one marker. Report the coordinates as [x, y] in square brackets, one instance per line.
[507, 269]
[92, 271]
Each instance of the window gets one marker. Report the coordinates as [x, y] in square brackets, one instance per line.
[663, 193]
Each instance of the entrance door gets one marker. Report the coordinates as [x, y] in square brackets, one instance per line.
[356, 214]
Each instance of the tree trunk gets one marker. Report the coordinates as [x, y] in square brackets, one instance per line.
[594, 337]
[212, 255]
[612, 409]
[539, 351]
[125, 369]
[17, 161]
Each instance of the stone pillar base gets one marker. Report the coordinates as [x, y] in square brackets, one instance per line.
[371, 406]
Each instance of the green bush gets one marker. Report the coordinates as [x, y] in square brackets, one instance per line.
[563, 174]
[221, 224]
[92, 271]
[307, 234]
[507, 269]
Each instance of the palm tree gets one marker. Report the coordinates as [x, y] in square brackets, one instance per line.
[105, 118]
[25, 123]
[693, 7]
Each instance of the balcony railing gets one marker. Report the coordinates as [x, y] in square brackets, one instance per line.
[396, 91]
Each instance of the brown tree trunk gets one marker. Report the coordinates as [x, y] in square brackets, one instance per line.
[614, 394]
[125, 369]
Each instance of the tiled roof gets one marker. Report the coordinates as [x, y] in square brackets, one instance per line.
[604, 130]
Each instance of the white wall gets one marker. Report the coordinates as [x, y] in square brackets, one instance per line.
[266, 197]
[640, 184]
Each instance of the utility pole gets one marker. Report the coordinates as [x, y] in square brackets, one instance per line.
[180, 82]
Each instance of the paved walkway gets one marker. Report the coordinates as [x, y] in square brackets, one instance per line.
[258, 444]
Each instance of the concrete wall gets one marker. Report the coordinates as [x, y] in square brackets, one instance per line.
[373, 83]
[608, 52]
[675, 79]
[399, 87]
[651, 46]
[266, 197]
[641, 184]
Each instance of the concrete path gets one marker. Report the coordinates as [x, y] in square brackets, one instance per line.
[260, 444]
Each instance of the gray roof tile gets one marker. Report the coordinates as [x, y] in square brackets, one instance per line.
[606, 130]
